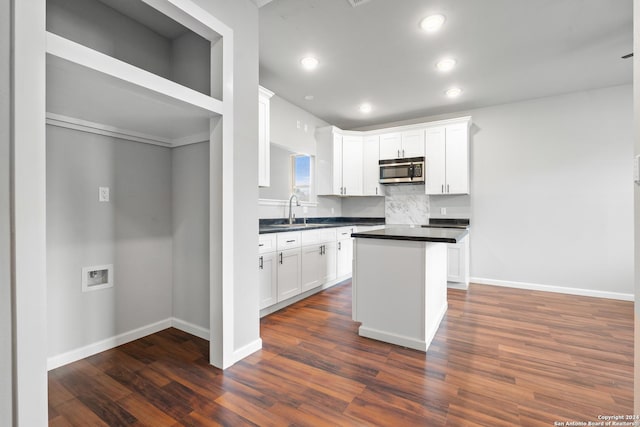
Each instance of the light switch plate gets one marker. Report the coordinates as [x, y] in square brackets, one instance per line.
[103, 194]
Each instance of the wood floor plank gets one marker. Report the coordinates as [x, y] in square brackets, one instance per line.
[501, 357]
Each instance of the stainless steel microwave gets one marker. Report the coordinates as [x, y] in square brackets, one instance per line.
[397, 171]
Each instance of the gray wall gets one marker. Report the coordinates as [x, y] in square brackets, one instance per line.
[190, 206]
[6, 396]
[132, 232]
[551, 198]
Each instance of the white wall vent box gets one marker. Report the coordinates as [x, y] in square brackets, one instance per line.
[97, 277]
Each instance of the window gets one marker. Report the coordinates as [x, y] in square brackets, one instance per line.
[301, 177]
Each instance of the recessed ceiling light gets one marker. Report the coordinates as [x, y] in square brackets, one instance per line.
[365, 108]
[309, 97]
[446, 64]
[309, 63]
[432, 23]
[453, 92]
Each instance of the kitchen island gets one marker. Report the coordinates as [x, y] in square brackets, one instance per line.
[400, 283]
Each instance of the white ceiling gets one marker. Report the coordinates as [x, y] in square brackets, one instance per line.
[507, 50]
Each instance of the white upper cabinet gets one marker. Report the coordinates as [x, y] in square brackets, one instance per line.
[404, 144]
[413, 143]
[370, 167]
[264, 141]
[390, 146]
[447, 159]
[352, 165]
[347, 161]
[339, 163]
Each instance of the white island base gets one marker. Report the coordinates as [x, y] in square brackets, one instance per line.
[399, 290]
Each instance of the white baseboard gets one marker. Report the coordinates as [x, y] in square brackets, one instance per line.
[391, 338]
[456, 285]
[190, 328]
[106, 344]
[556, 289]
[248, 349]
[112, 342]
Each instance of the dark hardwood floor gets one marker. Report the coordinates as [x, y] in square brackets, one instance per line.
[502, 357]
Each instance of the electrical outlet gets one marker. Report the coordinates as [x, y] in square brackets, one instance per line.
[103, 194]
[443, 211]
[298, 124]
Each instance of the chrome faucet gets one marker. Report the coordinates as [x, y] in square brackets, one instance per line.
[291, 216]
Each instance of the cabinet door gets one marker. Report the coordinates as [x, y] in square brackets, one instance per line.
[312, 267]
[264, 153]
[352, 165]
[390, 146]
[435, 161]
[344, 259]
[289, 263]
[370, 167]
[457, 159]
[268, 279]
[329, 262]
[458, 261]
[413, 143]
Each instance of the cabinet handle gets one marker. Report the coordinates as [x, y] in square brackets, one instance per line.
[403, 152]
[345, 191]
[376, 191]
[448, 188]
[339, 246]
[398, 153]
[261, 245]
[280, 257]
[261, 263]
[290, 241]
[320, 250]
[442, 188]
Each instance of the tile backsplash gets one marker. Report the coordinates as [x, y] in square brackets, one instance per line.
[406, 204]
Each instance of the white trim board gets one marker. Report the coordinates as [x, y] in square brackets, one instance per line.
[67, 122]
[551, 288]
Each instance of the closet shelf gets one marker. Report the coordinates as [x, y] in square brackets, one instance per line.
[89, 86]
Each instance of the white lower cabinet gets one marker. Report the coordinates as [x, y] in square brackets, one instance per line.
[268, 279]
[344, 259]
[458, 262]
[291, 263]
[289, 270]
[312, 263]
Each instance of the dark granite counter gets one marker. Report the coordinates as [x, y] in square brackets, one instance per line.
[447, 223]
[416, 234]
[279, 225]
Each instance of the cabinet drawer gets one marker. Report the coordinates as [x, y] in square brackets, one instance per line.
[345, 232]
[267, 243]
[313, 237]
[288, 240]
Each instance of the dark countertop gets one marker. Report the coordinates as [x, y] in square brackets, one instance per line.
[447, 223]
[416, 234]
[279, 225]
